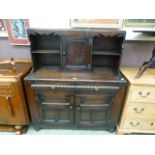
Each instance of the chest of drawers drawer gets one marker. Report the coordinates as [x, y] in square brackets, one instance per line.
[142, 94]
[141, 109]
[139, 123]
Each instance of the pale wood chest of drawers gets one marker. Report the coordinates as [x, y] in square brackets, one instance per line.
[138, 113]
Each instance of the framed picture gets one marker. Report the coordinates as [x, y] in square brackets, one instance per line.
[140, 22]
[96, 23]
[16, 29]
[3, 32]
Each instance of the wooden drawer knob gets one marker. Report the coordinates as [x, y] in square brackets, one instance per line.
[138, 111]
[78, 108]
[71, 107]
[134, 125]
[144, 94]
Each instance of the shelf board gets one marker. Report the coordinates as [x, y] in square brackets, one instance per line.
[106, 53]
[46, 51]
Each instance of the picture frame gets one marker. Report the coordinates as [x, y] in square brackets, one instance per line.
[16, 29]
[96, 23]
[3, 32]
[139, 22]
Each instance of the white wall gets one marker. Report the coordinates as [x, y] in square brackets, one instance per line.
[50, 23]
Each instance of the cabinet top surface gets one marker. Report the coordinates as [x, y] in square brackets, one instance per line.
[54, 74]
[62, 31]
[148, 77]
[22, 68]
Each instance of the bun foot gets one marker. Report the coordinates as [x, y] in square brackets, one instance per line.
[20, 129]
[37, 128]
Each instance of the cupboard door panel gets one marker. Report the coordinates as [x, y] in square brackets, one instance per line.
[93, 108]
[55, 108]
[76, 52]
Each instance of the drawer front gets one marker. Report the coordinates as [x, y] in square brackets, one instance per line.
[142, 109]
[73, 87]
[139, 123]
[143, 94]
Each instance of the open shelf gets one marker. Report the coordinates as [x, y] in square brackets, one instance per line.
[52, 51]
[105, 61]
[48, 59]
[41, 42]
[114, 53]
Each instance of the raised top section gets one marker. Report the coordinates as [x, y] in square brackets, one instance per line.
[148, 78]
[77, 31]
[76, 49]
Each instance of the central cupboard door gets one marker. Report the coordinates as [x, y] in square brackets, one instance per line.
[76, 52]
[55, 108]
[94, 109]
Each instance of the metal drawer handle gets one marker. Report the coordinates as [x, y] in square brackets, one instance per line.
[144, 95]
[134, 125]
[139, 111]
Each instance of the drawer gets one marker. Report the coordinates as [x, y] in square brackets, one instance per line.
[143, 94]
[140, 109]
[142, 123]
[73, 87]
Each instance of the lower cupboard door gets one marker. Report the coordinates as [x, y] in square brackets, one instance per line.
[91, 117]
[93, 109]
[57, 115]
[56, 112]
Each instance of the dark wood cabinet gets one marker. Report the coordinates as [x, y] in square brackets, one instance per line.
[75, 82]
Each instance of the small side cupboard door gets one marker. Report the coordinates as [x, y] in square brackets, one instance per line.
[76, 52]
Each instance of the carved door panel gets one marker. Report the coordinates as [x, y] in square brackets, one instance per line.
[56, 107]
[93, 109]
[12, 110]
[77, 52]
